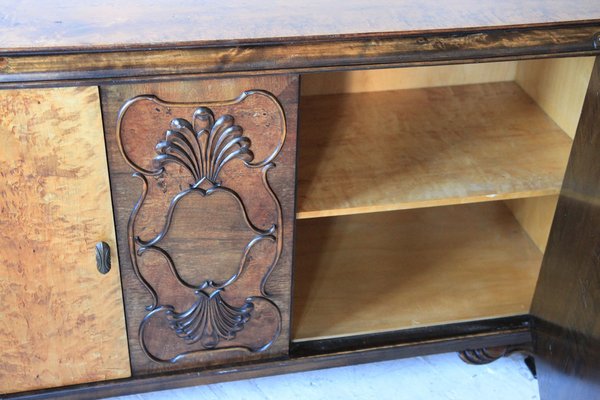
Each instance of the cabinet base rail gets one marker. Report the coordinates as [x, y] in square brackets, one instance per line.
[318, 354]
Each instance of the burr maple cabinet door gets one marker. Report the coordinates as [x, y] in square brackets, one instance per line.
[203, 182]
[61, 319]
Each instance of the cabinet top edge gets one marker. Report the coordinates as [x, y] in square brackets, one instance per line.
[95, 65]
[53, 25]
[44, 40]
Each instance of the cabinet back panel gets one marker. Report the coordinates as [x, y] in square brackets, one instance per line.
[377, 80]
[61, 321]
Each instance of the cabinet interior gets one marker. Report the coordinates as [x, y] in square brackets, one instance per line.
[426, 195]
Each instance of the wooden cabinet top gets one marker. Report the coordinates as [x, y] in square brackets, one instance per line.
[33, 25]
[45, 43]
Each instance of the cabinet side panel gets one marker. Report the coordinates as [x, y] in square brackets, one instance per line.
[558, 85]
[61, 321]
[208, 232]
[535, 216]
[566, 304]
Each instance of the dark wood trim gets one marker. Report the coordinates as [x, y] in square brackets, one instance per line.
[486, 355]
[566, 304]
[364, 51]
[317, 355]
[282, 39]
[230, 75]
[386, 339]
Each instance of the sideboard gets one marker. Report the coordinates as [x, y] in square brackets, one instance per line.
[193, 193]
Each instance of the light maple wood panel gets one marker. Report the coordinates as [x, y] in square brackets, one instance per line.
[386, 271]
[558, 86]
[535, 216]
[61, 321]
[406, 78]
[425, 147]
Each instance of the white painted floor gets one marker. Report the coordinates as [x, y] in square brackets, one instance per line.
[442, 376]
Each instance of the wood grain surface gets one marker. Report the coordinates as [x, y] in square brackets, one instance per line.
[558, 86]
[424, 147]
[397, 270]
[29, 24]
[567, 298]
[378, 80]
[61, 321]
[18, 69]
[208, 234]
[468, 335]
[535, 214]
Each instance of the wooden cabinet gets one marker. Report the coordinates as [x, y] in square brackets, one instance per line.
[299, 202]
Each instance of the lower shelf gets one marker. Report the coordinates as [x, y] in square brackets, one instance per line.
[388, 271]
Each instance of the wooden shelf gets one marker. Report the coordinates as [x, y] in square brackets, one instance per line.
[416, 148]
[388, 271]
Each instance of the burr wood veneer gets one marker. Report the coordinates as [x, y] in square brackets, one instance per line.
[198, 194]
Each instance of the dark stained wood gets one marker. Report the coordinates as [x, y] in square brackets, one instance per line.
[33, 26]
[208, 232]
[302, 55]
[320, 347]
[319, 354]
[566, 305]
[488, 355]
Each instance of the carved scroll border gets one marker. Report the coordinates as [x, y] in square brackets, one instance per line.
[137, 247]
[246, 94]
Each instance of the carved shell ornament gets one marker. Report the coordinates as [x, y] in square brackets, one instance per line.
[202, 145]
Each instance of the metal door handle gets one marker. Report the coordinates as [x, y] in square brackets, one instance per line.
[103, 257]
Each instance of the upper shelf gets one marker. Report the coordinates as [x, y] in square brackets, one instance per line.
[415, 148]
[35, 25]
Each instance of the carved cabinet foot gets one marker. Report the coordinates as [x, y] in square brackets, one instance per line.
[489, 354]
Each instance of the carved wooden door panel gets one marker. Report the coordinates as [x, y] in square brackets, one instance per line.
[203, 180]
[61, 309]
